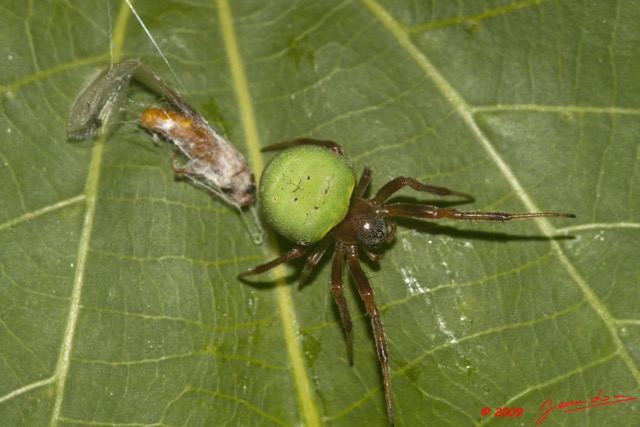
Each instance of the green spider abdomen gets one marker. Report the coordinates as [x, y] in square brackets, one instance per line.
[305, 191]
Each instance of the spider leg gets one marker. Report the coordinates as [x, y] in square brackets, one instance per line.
[365, 180]
[333, 146]
[433, 212]
[400, 182]
[372, 256]
[366, 293]
[314, 258]
[337, 290]
[294, 253]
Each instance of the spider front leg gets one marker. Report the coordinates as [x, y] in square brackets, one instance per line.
[366, 293]
[399, 183]
[434, 212]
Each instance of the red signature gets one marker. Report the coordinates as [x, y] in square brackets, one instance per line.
[576, 405]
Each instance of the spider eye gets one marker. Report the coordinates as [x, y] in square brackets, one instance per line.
[371, 229]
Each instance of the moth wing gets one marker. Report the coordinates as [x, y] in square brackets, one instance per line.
[91, 112]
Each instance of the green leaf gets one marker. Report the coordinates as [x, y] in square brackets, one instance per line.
[119, 303]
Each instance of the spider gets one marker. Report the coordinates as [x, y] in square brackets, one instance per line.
[309, 195]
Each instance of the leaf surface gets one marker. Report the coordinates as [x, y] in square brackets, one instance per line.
[119, 303]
